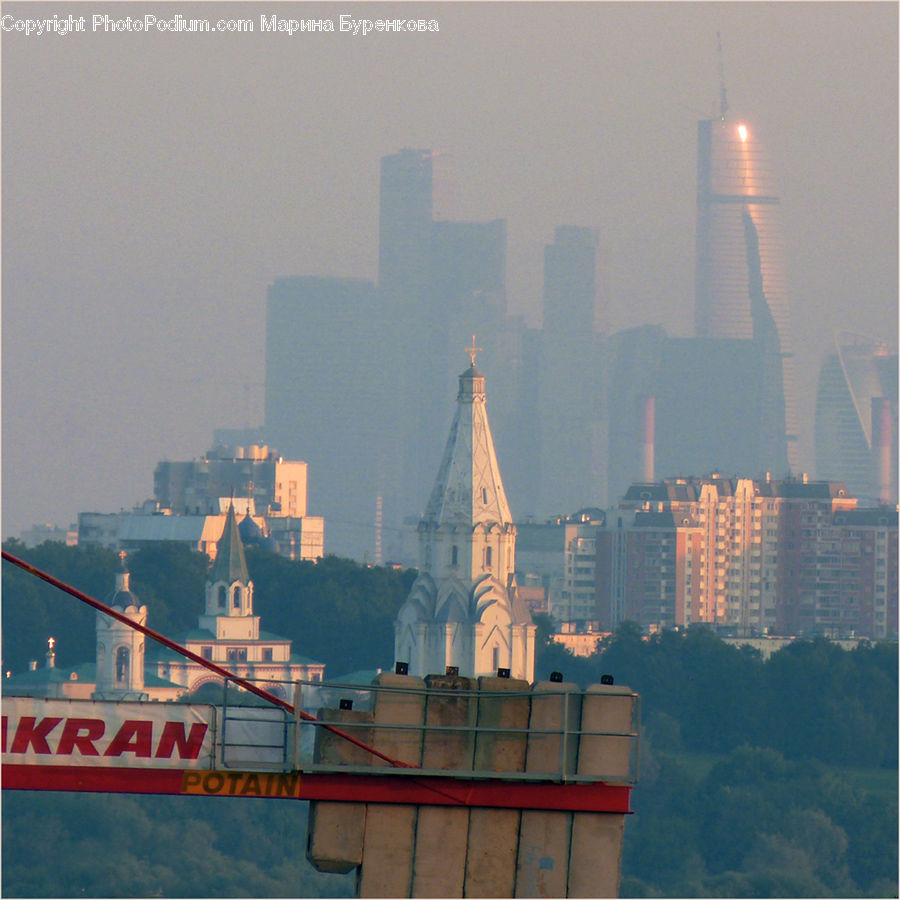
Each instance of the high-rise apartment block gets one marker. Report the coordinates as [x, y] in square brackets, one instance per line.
[753, 556]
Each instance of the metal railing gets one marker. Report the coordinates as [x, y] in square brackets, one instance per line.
[268, 737]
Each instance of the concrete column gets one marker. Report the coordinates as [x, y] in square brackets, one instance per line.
[386, 869]
[494, 833]
[439, 863]
[595, 859]
[607, 708]
[543, 855]
[335, 832]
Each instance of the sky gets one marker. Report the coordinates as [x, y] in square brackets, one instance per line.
[154, 185]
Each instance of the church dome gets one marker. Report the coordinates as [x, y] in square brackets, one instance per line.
[122, 596]
[250, 532]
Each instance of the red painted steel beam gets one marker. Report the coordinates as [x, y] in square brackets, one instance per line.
[336, 787]
[188, 654]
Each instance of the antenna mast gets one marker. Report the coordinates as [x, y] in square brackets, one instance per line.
[723, 100]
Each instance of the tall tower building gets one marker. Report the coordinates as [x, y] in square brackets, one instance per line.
[740, 279]
[404, 224]
[572, 467]
[329, 399]
[463, 609]
[856, 418]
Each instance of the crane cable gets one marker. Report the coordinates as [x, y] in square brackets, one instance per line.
[183, 651]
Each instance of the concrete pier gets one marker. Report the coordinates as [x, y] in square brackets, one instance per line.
[551, 731]
[389, 841]
[442, 832]
[542, 867]
[336, 830]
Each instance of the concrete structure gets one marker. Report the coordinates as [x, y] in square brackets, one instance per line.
[37, 534]
[191, 500]
[545, 733]
[463, 609]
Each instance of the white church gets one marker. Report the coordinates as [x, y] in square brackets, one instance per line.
[227, 633]
[463, 609]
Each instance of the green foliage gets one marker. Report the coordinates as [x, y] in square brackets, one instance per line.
[771, 814]
[336, 611]
[122, 846]
[34, 610]
[757, 825]
[811, 700]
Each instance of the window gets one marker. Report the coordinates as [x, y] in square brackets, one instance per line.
[484, 496]
[237, 598]
[488, 556]
[122, 664]
[236, 654]
[221, 596]
[454, 555]
[495, 662]
[206, 652]
[267, 654]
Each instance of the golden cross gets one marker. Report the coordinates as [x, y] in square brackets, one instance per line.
[51, 642]
[473, 350]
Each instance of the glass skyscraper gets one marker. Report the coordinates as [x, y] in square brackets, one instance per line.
[740, 266]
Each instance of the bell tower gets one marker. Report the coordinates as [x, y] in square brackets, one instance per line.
[120, 649]
[463, 609]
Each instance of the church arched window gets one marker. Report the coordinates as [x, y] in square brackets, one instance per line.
[495, 662]
[122, 664]
[221, 596]
[454, 555]
[237, 598]
[488, 556]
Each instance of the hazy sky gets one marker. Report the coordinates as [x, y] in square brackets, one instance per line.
[154, 184]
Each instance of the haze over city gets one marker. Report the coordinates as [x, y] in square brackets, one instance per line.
[154, 186]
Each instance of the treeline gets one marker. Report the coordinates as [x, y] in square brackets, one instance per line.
[746, 786]
[757, 825]
[109, 845]
[335, 611]
[810, 700]
[785, 811]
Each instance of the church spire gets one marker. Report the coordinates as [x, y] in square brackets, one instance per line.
[230, 564]
[468, 489]
[463, 609]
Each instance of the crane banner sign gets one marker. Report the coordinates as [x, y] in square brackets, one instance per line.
[105, 733]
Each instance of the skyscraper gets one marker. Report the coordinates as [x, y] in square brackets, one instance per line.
[740, 282]
[856, 417]
[404, 225]
[572, 436]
